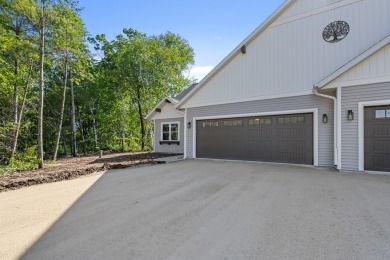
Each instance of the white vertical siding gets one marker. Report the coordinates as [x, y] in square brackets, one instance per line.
[376, 67]
[303, 6]
[168, 111]
[291, 57]
[351, 96]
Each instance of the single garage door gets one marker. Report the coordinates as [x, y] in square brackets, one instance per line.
[281, 139]
[377, 138]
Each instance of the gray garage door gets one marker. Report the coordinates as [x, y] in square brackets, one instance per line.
[377, 138]
[282, 139]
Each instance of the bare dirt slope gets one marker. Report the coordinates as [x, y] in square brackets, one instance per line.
[71, 168]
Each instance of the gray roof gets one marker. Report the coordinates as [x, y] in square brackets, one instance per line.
[185, 92]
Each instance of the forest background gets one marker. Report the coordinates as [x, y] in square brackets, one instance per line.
[57, 99]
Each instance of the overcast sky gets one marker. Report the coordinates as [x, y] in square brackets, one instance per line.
[212, 27]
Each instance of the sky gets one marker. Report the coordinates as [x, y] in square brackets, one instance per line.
[213, 28]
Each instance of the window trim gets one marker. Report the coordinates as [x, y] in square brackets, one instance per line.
[170, 131]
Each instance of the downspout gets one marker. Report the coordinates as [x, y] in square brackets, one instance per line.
[336, 137]
[185, 133]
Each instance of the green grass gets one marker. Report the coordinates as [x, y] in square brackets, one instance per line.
[2, 171]
[19, 166]
[23, 161]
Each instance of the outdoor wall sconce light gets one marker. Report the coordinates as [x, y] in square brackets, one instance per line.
[325, 118]
[189, 125]
[350, 115]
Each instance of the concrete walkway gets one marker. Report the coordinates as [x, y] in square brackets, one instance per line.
[216, 210]
[170, 159]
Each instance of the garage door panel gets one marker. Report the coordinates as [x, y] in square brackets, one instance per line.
[377, 138]
[291, 157]
[377, 163]
[258, 145]
[286, 139]
[260, 155]
[292, 145]
[259, 133]
[378, 146]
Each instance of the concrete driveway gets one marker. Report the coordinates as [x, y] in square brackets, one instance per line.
[224, 210]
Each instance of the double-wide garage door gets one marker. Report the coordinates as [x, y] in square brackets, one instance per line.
[281, 139]
[377, 138]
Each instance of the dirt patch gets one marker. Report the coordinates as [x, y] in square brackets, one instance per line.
[71, 168]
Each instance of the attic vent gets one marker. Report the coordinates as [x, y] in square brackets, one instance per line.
[329, 2]
[243, 49]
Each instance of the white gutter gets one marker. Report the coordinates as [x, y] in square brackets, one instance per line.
[336, 137]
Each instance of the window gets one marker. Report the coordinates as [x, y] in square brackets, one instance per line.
[170, 131]
[233, 123]
[291, 120]
[382, 113]
[294, 120]
[210, 124]
[259, 121]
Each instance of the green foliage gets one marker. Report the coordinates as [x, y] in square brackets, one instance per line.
[23, 161]
[112, 95]
[137, 71]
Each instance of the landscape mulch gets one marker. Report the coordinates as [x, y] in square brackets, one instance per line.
[71, 168]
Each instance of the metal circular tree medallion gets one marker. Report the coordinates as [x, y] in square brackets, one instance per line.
[336, 31]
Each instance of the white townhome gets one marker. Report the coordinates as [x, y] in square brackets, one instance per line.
[311, 85]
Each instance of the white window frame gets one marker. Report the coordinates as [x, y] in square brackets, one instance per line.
[361, 119]
[170, 131]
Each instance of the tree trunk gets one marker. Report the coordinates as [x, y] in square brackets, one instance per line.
[81, 130]
[17, 31]
[95, 137]
[73, 111]
[41, 90]
[64, 144]
[19, 122]
[123, 136]
[58, 137]
[16, 92]
[141, 118]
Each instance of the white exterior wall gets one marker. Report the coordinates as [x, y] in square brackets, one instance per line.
[168, 111]
[166, 148]
[350, 98]
[308, 7]
[290, 56]
[374, 69]
[324, 106]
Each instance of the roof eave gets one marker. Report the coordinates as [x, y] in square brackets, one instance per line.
[153, 112]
